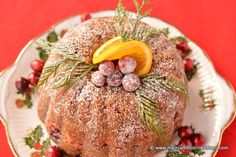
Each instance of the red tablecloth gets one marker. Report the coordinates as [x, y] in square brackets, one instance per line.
[210, 23]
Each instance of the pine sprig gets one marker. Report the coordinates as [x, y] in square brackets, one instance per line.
[148, 113]
[148, 109]
[152, 81]
[129, 28]
[74, 70]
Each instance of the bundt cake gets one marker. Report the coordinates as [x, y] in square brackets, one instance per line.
[86, 120]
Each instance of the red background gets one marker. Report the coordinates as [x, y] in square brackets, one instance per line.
[210, 23]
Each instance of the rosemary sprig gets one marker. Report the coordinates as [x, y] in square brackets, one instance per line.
[130, 29]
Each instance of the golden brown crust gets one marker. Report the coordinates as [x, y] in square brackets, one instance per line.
[89, 120]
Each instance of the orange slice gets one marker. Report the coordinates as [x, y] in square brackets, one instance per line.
[116, 48]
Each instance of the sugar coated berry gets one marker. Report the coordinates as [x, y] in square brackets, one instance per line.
[106, 68]
[98, 79]
[53, 151]
[115, 79]
[127, 64]
[85, 17]
[37, 65]
[182, 45]
[185, 131]
[188, 64]
[22, 84]
[33, 79]
[131, 82]
[183, 144]
[197, 140]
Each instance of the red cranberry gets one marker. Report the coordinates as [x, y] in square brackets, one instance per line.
[28, 91]
[37, 146]
[22, 84]
[185, 131]
[53, 151]
[106, 68]
[188, 64]
[184, 142]
[85, 17]
[98, 79]
[115, 79]
[33, 79]
[127, 64]
[197, 140]
[37, 65]
[182, 45]
[131, 82]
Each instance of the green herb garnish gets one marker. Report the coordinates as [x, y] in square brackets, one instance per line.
[152, 81]
[74, 68]
[129, 28]
[148, 109]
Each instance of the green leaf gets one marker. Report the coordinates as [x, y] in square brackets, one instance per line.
[34, 137]
[29, 141]
[198, 152]
[165, 31]
[43, 55]
[28, 101]
[175, 39]
[45, 144]
[52, 37]
[37, 133]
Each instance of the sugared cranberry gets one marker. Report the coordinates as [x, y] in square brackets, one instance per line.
[53, 151]
[98, 79]
[197, 140]
[37, 65]
[22, 84]
[131, 82]
[184, 142]
[37, 146]
[127, 64]
[185, 131]
[33, 79]
[182, 45]
[106, 68]
[115, 79]
[188, 64]
[85, 17]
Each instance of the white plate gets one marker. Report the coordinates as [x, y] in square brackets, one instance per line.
[211, 123]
